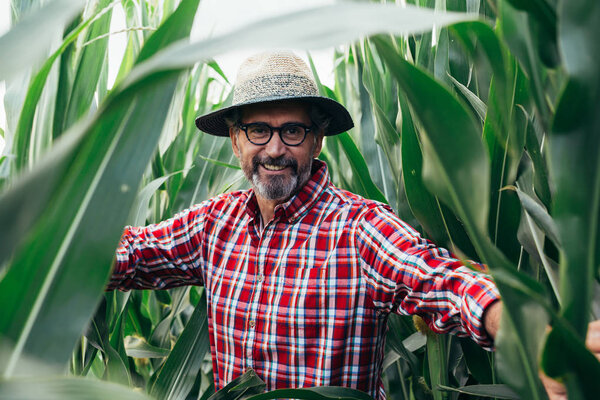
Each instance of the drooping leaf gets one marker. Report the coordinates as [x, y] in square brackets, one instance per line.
[139, 348]
[496, 391]
[539, 215]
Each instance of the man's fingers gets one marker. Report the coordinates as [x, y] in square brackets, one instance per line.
[558, 391]
[593, 336]
[554, 389]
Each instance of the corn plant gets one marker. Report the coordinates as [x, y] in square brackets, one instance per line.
[474, 120]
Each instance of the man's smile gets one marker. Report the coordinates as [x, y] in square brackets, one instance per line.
[271, 167]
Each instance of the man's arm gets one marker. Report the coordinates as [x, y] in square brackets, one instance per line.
[160, 256]
[407, 274]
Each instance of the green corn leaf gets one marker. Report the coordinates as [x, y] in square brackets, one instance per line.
[65, 78]
[438, 221]
[101, 175]
[331, 25]
[249, 387]
[542, 18]
[177, 375]
[464, 186]
[514, 28]
[221, 163]
[575, 165]
[89, 68]
[34, 92]
[540, 167]
[359, 168]
[65, 388]
[437, 358]
[575, 161]
[98, 335]
[28, 41]
[143, 197]
[361, 178]
[476, 103]
[316, 393]
[532, 237]
[139, 348]
[566, 355]
[241, 387]
[539, 214]
[479, 362]
[381, 113]
[458, 180]
[497, 391]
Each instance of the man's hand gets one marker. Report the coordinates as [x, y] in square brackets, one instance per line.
[555, 389]
[491, 318]
[558, 391]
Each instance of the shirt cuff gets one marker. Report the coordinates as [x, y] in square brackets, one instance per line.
[480, 294]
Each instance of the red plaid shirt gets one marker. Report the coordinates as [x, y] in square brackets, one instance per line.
[304, 301]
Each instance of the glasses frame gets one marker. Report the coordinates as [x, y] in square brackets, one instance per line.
[306, 128]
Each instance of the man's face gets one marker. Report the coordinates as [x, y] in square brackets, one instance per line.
[276, 170]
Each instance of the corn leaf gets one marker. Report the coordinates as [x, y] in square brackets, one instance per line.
[73, 233]
[177, 375]
[29, 40]
[576, 210]
[65, 388]
[89, 68]
[493, 391]
[458, 180]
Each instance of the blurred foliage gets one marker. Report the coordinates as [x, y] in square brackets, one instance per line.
[482, 133]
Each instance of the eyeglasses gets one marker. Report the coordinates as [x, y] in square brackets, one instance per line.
[291, 134]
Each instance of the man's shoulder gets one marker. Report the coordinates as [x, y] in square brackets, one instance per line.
[224, 202]
[344, 198]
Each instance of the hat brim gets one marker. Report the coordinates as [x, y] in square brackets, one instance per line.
[214, 122]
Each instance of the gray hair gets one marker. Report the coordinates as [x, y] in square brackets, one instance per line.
[319, 118]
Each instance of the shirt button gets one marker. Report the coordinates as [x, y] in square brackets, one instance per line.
[261, 277]
[252, 324]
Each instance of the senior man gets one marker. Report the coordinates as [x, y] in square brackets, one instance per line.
[300, 275]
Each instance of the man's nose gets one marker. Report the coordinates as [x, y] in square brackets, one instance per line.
[275, 147]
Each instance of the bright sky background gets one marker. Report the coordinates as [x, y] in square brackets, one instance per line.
[214, 17]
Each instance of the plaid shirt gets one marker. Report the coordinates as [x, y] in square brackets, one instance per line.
[304, 301]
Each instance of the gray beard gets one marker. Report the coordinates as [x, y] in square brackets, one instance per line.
[278, 187]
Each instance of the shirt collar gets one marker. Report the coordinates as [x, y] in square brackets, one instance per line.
[302, 201]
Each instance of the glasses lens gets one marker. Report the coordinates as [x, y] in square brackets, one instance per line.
[258, 133]
[293, 134]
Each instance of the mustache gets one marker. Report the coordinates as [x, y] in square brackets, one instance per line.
[279, 162]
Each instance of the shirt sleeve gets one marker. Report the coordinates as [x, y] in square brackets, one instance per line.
[161, 256]
[411, 276]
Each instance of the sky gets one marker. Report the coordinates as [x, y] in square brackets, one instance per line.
[213, 17]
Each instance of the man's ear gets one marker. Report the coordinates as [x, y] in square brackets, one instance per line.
[234, 143]
[318, 144]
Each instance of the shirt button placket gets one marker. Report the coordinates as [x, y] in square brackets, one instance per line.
[261, 258]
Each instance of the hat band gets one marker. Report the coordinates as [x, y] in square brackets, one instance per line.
[273, 86]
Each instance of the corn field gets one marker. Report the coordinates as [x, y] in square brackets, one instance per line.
[477, 121]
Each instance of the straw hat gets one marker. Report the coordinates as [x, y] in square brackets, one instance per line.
[276, 76]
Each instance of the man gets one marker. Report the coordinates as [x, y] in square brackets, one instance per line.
[300, 276]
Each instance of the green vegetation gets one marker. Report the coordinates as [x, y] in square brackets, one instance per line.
[483, 134]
